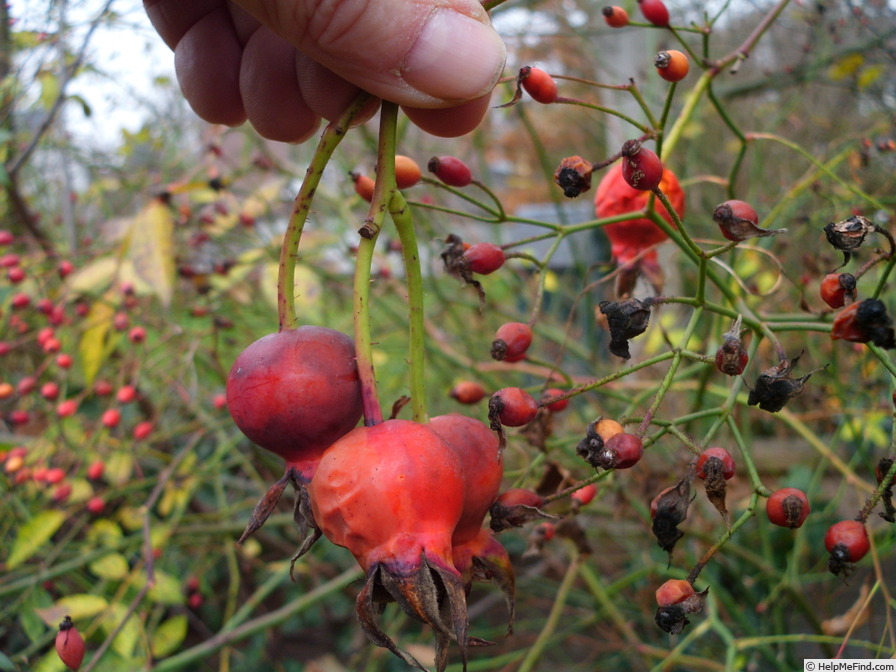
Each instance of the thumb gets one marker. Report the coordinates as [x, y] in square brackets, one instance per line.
[419, 53]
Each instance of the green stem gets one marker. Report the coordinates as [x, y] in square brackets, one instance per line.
[289, 251]
[550, 625]
[404, 224]
[373, 414]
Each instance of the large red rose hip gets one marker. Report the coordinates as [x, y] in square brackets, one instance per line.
[295, 392]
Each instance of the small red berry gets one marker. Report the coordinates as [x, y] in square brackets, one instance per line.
[6, 390]
[62, 492]
[142, 430]
[70, 645]
[10, 260]
[616, 17]
[538, 84]
[96, 504]
[111, 418]
[554, 406]
[727, 462]
[67, 408]
[672, 65]
[847, 542]
[6, 237]
[364, 186]
[674, 591]
[121, 321]
[738, 220]
[467, 392]
[16, 274]
[50, 391]
[584, 494]
[103, 388]
[407, 172]
[95, 470]
[513, 407]
[484, 258]
[641, 167]
[20, 301]
[126, 394]
[450, 170]
[26, 385]
[836, 288]
[623, 451]
[512, 340]
[51, 345]
[64, 360]
[787, 507]
[655, 11]
[54, 475]
[65, 268]
[137, 335]
[219, 401]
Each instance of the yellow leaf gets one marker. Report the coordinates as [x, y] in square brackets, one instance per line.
[95, 276]
[869, 75]
[34, 534]
[845, 67]
[260, 201]
[169, 636]
[129, 634]
[308, 292]
[82, 606]
[113, 566]
[92, 348]
[151, 249]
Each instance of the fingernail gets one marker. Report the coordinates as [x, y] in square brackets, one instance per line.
[455, 58]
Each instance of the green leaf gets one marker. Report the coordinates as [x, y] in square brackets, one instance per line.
[167, 589]
[113, 566]
[169, 636]
[869, 75]
[34, 534]
[49, 88]
[130, 634]
[151, 249]
[82, 606]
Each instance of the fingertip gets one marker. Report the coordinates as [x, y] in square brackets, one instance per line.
[450, 122]
[270, 90]
[207, 62]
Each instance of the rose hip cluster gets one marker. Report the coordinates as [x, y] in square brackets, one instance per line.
[369, 489]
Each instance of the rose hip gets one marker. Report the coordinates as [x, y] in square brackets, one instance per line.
[450, 170]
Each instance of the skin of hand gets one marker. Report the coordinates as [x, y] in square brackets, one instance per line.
[283, 65]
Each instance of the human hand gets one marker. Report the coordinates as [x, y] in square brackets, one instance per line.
[285, 64]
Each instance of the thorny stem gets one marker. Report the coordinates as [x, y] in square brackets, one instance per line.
[744, 517]
[289, 250]
[373, 414]
[885, 483]
[404, 224]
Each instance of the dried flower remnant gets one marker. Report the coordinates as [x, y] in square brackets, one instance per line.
[737, 221]
[775, 386]
[880, 471]
[668, 510]
[673, 618]
[626, 319]
[458, 266]
[731, 357]
[848, 235]
[573, 176]
[865, 321]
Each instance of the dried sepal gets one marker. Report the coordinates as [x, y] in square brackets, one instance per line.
[731, 357]
[573, 176]
[865, 321]
[848, 235]
[674, 618]
[669, 509]
[626, 319]
[715, 485]
[456, 264]
[775, 386]
[886, 497]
